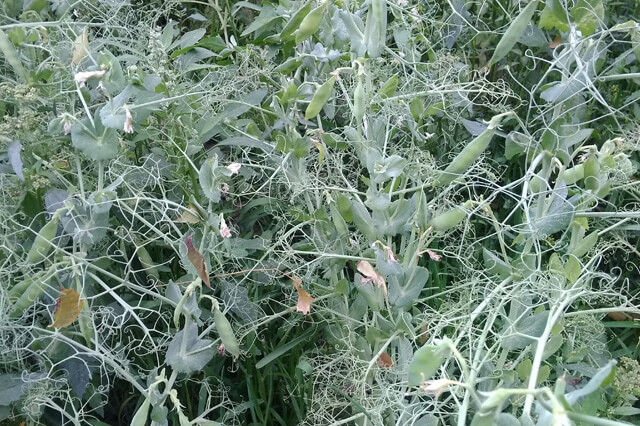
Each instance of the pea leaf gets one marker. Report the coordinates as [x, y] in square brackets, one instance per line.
[554, 15]
[404, 290]
[426, 362]
[587, 15]
[68, 307]
[15, 159]
[193, 355]
[95, 140]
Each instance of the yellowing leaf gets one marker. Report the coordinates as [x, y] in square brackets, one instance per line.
[385, 361]
[196, 259]
[372, 275]
[68, 307]
[80, 47]
[304, 298]
[189, 216]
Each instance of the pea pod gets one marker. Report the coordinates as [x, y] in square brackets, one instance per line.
[451, 218]
[592, 173]
[295, 22]
[389, 88]
[359, 99]
[375, 29]
[30, 294]
[513, 33]
[320, 98]
[573, 174]
[226, 333]
[288, 66]
[42, 245]
[469, 153]
[311, 23]
[147, 263]
[338, 220]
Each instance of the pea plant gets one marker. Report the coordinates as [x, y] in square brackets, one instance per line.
[319, 212]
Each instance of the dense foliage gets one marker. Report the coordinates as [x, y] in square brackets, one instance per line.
[319, 212]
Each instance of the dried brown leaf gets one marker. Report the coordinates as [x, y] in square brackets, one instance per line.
[68, 307]
[384, 361]
[304, 298]
[372, 275]
[196, 259]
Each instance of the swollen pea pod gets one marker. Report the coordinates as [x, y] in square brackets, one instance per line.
[226, 333]
[26, 293]
[320, 98]
[359, 99]
[150, 267]
[469, 153]
[42, 245]
[513, 33]
[451, 218]
[295, 21]
[592, 173]
[311, 23]
[573, 174]
[375, 29]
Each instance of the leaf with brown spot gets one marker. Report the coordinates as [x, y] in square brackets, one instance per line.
[384, 361]
[68, 307]
[372, 275]
[304, 298]
[196, 259]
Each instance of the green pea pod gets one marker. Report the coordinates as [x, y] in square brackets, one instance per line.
[585, 245]
[30, 294]
[16, 291]
[147, 263]
[338, 220]
[604, 190]
[295, 22]
[9, 51]
[288, 66]
[592, 173]
[451, 218]
[469, 154]
[375, 30]
[389, 88]
[226, 333]
[513, 33]
[359, 99]
[311, 23]
[320, 98]
[573, 174]
[42, 245]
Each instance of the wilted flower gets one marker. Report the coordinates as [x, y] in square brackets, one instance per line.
[82, 77]
[225, 232]
[436, 387]
[434, 256]
[128, 120]
[234, 168]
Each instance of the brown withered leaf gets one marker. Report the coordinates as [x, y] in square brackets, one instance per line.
[80, 47]
[556, 42]
[304, 298]
[384, 361]
[372, 275]
[196, 259]
[68, 307]
[189, 216]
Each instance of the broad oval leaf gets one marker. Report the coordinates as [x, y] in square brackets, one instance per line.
[94, 140]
